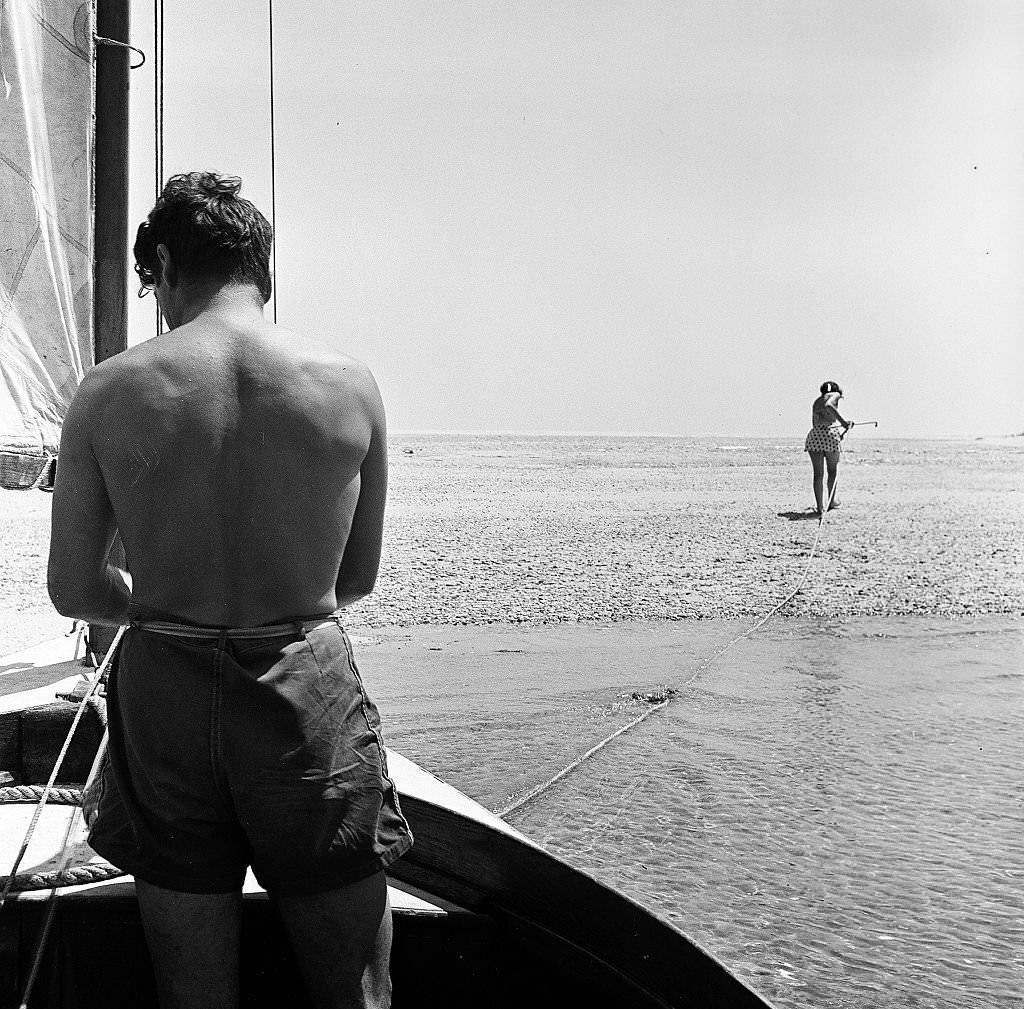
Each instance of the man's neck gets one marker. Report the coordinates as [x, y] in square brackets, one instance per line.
[239, 302]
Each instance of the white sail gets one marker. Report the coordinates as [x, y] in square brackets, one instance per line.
[46, 137]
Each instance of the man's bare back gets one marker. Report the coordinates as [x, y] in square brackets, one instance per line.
[245, 471]
[237, 459]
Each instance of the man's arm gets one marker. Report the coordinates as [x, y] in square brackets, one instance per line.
[361, 559]
[81, 581]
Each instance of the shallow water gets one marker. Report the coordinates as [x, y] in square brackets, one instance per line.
[832, 809]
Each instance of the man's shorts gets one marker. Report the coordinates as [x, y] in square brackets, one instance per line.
[227, 752]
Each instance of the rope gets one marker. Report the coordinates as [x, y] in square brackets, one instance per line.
[65, 874]
[101, 40]
[158, 132]
[75, 875]
[569, 768]
[158, 119]
[15, 794]
[49, 787]
[273, 160]
[671, 692]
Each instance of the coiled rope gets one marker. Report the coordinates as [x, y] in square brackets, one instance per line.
[663, 698]
[65, 874]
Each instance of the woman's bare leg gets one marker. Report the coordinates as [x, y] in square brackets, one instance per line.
[818, 466]
[832, 458]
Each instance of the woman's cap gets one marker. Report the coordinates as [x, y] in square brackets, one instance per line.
[830, 387]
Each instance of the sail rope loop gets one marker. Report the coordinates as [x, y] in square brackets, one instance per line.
[102, 40]
[662, 699]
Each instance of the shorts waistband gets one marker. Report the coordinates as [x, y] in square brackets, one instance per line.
[173, 630]
[154, 622]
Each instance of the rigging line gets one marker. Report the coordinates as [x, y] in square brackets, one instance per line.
[65, 860]
[672, 692]
[158, 119]
[158, 95]
[93, 686]
[273, 160]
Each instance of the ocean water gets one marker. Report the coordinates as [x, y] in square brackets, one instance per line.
[833, 806]
[833, 809]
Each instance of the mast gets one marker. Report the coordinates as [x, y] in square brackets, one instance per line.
[110, 213]
[110, 269]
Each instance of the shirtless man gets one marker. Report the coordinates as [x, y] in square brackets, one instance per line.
[246, 471]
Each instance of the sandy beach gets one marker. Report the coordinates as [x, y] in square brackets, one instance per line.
[485, 530]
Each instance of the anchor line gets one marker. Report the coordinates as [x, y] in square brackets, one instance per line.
[672, 692]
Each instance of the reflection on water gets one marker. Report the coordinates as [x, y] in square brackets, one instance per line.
[834, 812]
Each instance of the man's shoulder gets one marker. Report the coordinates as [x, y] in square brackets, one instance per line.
[325, 363]
[275, 354]
[112, 372]
[134, 358]
[302, 348]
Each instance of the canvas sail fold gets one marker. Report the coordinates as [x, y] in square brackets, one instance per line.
[46, 249]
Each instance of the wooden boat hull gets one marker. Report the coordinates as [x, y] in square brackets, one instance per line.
[482, 915]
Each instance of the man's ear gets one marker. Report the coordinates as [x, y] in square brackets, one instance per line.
[168, 269]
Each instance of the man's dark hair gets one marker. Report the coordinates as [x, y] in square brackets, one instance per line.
[210, 231]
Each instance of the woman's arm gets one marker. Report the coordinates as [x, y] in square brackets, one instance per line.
[847, 424]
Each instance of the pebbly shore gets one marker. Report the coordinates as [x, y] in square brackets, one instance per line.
[531, 531]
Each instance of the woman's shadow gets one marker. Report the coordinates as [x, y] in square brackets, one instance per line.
[799, 516]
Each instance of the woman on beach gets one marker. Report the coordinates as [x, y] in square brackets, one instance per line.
[824, 442]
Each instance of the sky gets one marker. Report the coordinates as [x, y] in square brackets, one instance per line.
[626, 215]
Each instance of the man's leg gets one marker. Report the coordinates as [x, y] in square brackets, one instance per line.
[342, 941]
[193, 941]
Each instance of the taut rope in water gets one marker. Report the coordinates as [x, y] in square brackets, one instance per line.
[672, 692]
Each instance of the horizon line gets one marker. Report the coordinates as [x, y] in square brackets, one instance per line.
[557, 433]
